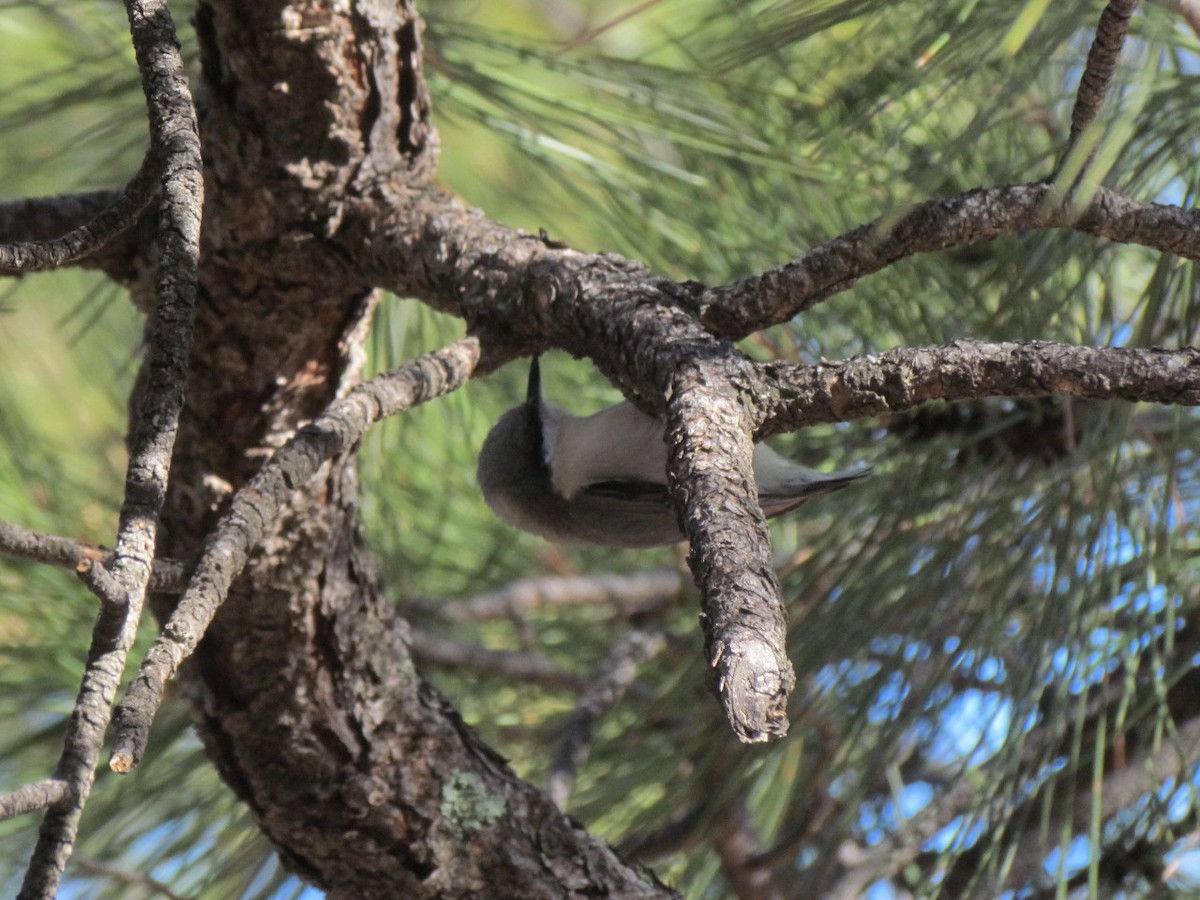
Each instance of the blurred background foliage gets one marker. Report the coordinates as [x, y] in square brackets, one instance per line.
[1002, 618]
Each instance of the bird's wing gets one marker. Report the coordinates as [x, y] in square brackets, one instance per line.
[632, 491]
[625, 514]
[617, 444]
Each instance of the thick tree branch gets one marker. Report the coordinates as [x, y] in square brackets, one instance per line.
[963, 370]
[175, 141]
[556, 291]
[520, 294]
[253, 512]
[745, 625]
[526, 294]
[523, 293]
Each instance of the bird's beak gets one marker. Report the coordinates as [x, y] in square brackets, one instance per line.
[533, 392]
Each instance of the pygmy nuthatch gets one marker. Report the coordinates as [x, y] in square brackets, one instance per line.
[602, 479]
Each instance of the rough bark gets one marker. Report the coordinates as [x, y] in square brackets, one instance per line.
[319, 155]
[319, 158]
[365, 779]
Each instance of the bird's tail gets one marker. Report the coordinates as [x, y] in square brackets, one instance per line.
[835, 481]
[808, 483]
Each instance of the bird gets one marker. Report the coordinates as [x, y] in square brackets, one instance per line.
[602, 479]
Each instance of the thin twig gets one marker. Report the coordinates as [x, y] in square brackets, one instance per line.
[1190, 11]
[166, 575]
[36, 256]
[173, 138]
[688, 830]
[524, 665]
[634, 594]
[31, 797]
[45, 548]
[681, 835]
[253, 511]
[817, 808]
[1142, 774]
[739, 847]
[141, 880]
[590, 34]
[862, 866]
[615, 676]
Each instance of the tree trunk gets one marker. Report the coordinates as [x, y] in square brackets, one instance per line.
[366, 780]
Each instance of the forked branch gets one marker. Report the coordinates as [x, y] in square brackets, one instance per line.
[253, 512]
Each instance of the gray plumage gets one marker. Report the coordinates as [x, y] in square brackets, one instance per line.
[602, 479]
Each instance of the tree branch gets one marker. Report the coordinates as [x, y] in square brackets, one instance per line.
[101, 582]
[963, 370]
[143, 882]
[1142, 774]
[1190, 11]
[253, 511]
[43, 218]
[166, 575]
[31, 797]
[519, 294]
[528, 294]
[522, 665]
[613, 680]
[36, 256]
[174, 140]
[745, 625]
[637, 593]
[975, 217]
[522, 294]
[650, 326]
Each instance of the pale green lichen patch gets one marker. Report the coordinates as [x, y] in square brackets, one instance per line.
[467, 802]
